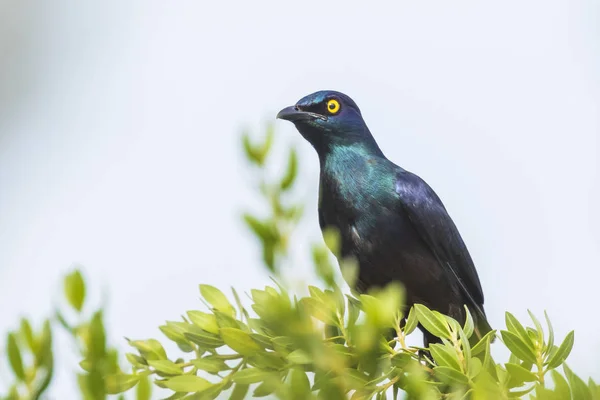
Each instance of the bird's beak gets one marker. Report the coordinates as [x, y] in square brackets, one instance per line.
[294, 114]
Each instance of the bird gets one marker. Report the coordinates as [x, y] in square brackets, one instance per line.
[389, 219]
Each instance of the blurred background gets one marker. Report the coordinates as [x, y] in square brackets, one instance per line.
[120, 150]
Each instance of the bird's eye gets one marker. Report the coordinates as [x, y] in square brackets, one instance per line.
[333, 106]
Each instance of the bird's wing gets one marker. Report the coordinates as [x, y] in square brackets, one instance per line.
[431, 220]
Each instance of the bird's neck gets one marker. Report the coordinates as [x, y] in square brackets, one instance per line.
[356, 137]
[348, 162]
[348, 147]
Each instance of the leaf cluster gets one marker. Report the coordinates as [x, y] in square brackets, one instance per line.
[327, 344]
[274, 230]
[30, 354]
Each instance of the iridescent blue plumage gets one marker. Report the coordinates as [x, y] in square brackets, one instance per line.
[388, 218]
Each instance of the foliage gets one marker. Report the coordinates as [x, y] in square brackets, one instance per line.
[273, 231]
[325, 345]
[332, 345]
[31, 357]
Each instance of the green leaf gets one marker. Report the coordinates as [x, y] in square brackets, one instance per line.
[292, 171]
[267, 144]
[550, 333]
[211, 364]
[263, 229]
[262, 340]
[411, 322]
[251, 153]
[445, 356]
[144, 389]
[594, 389]
[262, 390]
[299, 384]
[204, 339]
[86, 365]
[175, 331]
[299, 356]
[514, 326]
[165, 366]
[217, 299]
[283, 344]
[353, 310]
[521, 393]
[579, 389]
[340, 300]
[120, 383]
[239, 304]
[516, 345]
[187, 383]
[269, 254]
[226, 321]
[239, 391]
[319, 310]
[465, 345]
[563, 351]
[239, 341]
[172, 333]
[333, 240]
[266, 360]
[475, 367]
[469, 326]
[260, 297]
[150, 349]
[354, 379]
[321, 260]
[430, 321]
[27, 334]
[93, 385]
[135, 360]
[96, 339]
[450, 375]
[483, 343]
[519, 373]
[75, 290]
[561, 387]
[206, 321]
[251, 375]
[43, 355]
[14, 356]
[321, 379]
[349, 269]
[211, 392]
[538, 327]
[381, 308]
[400, 360]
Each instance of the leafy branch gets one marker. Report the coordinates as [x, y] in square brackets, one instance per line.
[325, 345]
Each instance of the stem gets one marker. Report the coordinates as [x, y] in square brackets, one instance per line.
[343, 329]
[234, 370]
[401, 337]
[540, 365]
[385, 387]
[461, 356]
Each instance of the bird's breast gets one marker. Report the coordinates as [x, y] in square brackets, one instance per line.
[358, 217]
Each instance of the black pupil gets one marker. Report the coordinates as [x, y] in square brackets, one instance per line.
[331, 105]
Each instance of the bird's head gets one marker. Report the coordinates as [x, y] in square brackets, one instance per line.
[328, 118]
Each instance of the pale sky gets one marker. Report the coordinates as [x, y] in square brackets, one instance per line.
[119, 144]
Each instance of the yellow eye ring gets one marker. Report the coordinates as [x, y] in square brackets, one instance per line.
[333, 106]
